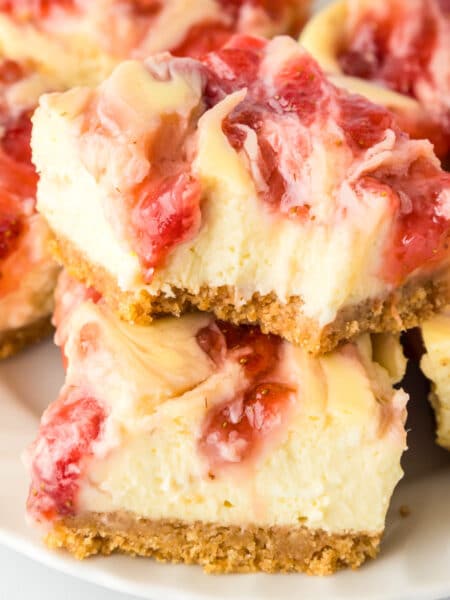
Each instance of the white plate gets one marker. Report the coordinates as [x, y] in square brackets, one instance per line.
[415, 558]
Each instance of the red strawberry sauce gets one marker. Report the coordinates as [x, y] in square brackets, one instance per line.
[66, 437]
[235, 430]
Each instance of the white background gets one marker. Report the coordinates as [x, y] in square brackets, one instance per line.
[24, 579]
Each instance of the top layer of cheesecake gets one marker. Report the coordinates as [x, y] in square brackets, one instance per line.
[247, 184]
[394, 52]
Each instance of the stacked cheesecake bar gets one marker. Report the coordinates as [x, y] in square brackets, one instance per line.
[242, 239]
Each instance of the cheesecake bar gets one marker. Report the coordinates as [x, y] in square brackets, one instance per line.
[436, 366]
[396, 53]
[193, 440]
[81, 40]
[27, 270]
[248, 185]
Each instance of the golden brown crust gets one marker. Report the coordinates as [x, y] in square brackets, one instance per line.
[218, 548]
[402, 309]
[14, 340]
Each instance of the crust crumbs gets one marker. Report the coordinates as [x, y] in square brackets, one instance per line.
[217, 548]
[14, 340]
[403, 309]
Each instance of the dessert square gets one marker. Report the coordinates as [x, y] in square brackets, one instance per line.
[193, 440]
[248, 185]
[395, 53]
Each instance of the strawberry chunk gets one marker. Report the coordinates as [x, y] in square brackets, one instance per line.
[421, 233]
[65, 441]
[235, 430]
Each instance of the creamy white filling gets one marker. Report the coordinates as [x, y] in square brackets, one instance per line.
[317, 478]
[436, 366]
[158, 385]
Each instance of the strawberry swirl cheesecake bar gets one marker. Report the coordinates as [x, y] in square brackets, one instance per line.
[245, 184]
[396, 53]
[27, 271]
[83, 39]
[195, 440]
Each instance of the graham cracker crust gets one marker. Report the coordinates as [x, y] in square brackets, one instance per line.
[403, 309]
[217, 548]
[14, 340]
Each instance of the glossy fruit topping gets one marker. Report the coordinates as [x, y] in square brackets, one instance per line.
[65, 441]
[236, 429]
[421, 233]
[166, 212]
[281, 104]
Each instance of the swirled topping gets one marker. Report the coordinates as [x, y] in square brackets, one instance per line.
[404, 45]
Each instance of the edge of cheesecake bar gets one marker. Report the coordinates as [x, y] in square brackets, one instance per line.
[402, 309]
